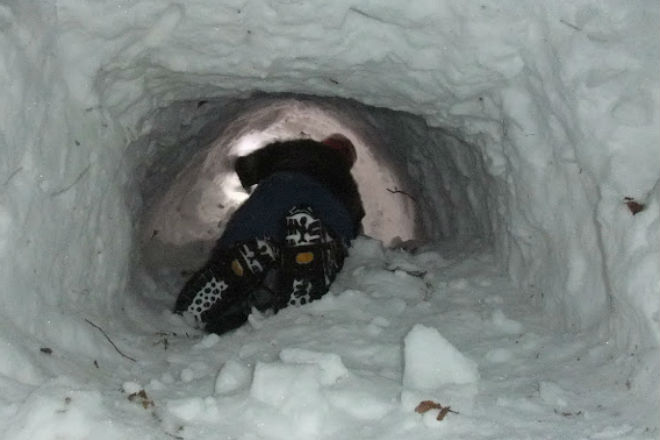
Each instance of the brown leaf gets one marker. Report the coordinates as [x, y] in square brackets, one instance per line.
[427, 405]
[634, 206]
[141, 397]
[443, 412]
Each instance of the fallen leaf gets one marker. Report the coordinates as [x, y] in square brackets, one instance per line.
[635, 207]
[427, 405]
[141, 397]
[443, 412]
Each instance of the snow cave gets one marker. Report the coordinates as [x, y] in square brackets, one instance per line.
[508, 281]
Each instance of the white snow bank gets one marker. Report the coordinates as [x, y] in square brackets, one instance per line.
[536, 121]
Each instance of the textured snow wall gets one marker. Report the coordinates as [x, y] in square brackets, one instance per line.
[548, 111]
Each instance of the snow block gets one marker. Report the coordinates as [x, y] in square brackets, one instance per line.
[331, 368]
[232, 376]
[430, 361]
[294, 391]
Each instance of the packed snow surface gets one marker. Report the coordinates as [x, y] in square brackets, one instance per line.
[532, 127]
[355, 364]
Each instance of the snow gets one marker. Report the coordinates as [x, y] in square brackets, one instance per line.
[329, 365]
[505, 324]
[517, 129]
[430, 361]
[232, 376]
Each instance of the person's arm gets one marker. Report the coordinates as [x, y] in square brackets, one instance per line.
[251, 168]
[246, 170]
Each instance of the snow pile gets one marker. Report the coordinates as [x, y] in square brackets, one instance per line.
[431, 361]
[531, 125]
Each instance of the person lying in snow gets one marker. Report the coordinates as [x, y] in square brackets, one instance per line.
[286, 243]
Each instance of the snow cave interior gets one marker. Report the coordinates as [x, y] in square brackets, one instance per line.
[521, 137]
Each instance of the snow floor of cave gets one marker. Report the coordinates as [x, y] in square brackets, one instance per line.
[334, 368]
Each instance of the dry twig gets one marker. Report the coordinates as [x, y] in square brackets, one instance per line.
[399, 191]
[109, 340]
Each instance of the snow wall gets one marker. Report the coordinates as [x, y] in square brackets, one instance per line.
[525, 123]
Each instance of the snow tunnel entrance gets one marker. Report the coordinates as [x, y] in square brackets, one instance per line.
[189, 188]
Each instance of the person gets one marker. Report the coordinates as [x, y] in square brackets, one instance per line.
[286, 243]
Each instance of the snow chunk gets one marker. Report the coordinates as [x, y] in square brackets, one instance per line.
[365, 251]
[131, 387]
[505, 324]
[430, 361]
[295, 391]
[331, 367]
[277, 384]
[399, 262]
[208, 341]
[232, 376]
[368, 248]
[375, 327]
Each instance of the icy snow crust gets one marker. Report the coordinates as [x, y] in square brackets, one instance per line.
[553, 109]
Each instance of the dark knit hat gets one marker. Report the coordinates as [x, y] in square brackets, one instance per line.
[341, 143]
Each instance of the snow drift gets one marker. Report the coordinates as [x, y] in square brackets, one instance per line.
[534, 126]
